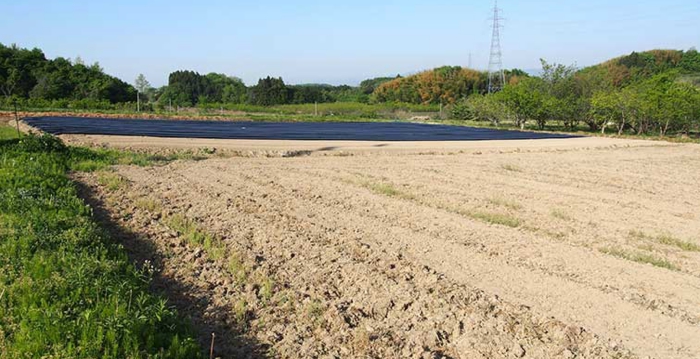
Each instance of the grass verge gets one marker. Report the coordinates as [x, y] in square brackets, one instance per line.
[69, 291]
[6, 131]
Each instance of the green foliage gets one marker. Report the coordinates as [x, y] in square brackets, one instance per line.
[691, 61]
[370, 85]
[7, 132]
[659, 104]
[445, 85]
[68, 290]
[189, 230]
[486, 108]
[527, 100]
[270, 91]
[655, 95]
[28, 74]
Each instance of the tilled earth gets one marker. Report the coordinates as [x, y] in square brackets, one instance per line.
[569, 253]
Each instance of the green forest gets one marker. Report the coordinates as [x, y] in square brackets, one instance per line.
[653, 92]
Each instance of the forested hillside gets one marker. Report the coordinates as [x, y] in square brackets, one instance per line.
[639, 66]
[29, 75]
[641, 93]
[445, 84]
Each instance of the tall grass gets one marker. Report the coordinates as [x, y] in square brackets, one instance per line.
[69, 291]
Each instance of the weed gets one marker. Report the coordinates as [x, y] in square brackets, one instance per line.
[315, 310]
[266, 289]
[503, 202]
[643, 258]
[148, 204]
[494, 218]
[215, 248]
[237, 269]
[639, 234]
[387, 189]
[188, 230]
[111, 181]
[240, 311]
[666, 239]
[511, 168]
[558, 213]
[679, 243]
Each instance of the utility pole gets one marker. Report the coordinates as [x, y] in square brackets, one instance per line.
[497, 78]
[14, 102]
[138, 101]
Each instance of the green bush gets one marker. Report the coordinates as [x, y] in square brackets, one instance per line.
[67, 289]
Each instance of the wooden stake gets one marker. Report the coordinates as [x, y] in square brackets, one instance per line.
[211, 349]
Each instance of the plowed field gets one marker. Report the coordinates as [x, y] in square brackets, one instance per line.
[589, 250]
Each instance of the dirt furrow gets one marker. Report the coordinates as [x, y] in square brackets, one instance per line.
[411, 317]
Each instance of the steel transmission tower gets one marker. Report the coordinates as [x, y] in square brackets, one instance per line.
[497, 78]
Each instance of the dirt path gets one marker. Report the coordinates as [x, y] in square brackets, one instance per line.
[347, 148]
[583, 250]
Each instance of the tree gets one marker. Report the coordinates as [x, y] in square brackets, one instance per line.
[269, 91]
[223, 88]
[141, 84]
[445, 85]
[143, 87]
[368, 86]
[527, 100]
[488, 108]
[682, 106]
[184, 88]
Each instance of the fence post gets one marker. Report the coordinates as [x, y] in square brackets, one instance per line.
[14, 102]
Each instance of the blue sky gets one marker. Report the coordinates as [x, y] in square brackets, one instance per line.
[314, 41]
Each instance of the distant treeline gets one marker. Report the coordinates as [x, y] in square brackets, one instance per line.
[189, 88]
[444, 85]
[28, 76]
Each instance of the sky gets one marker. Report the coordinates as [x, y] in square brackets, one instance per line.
[340, 42]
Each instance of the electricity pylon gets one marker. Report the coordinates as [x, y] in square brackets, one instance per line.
[497, 78]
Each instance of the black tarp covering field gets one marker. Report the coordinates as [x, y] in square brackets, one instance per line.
[344, 131]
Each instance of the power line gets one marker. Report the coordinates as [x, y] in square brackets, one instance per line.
[497, 78]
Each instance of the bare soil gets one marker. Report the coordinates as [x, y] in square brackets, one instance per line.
[580, 248]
